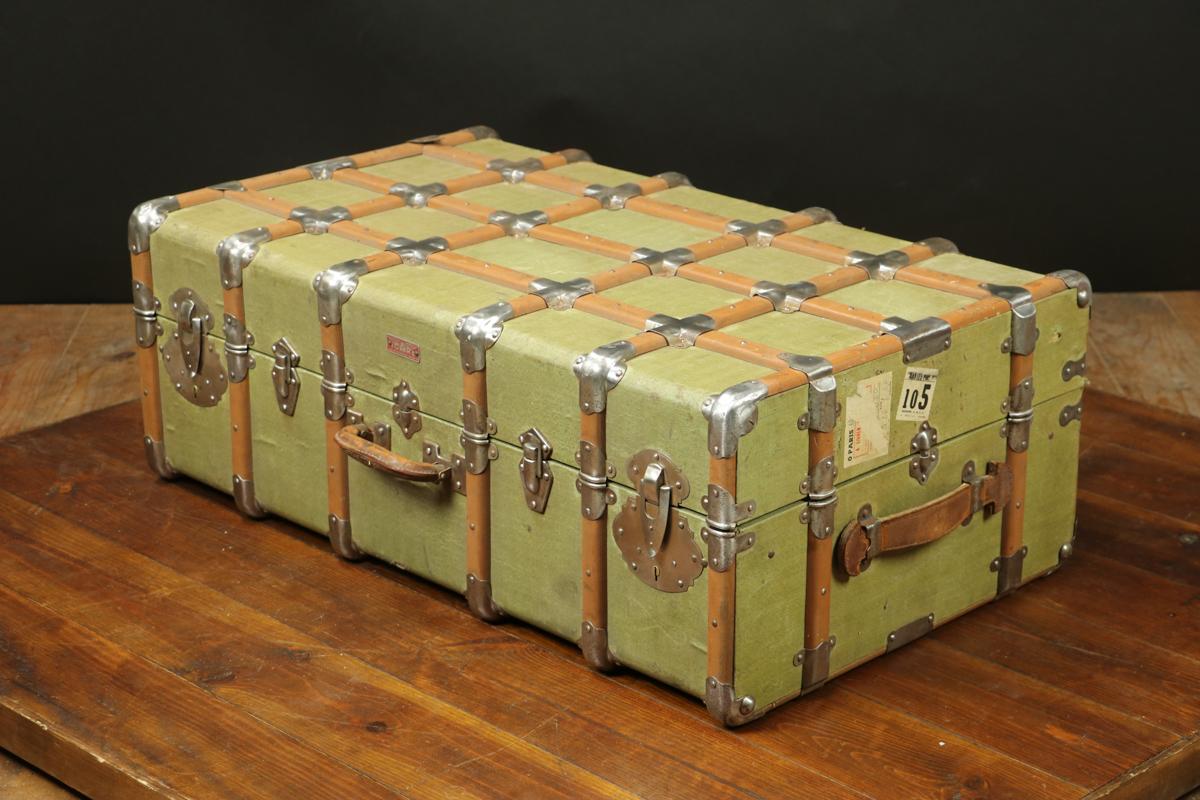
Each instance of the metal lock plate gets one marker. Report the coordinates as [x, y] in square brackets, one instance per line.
[406, 409]
[284, 376]
[924, 458]
[653, 535]
[192, 361]
[534, 467]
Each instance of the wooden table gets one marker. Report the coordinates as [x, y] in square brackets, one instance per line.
[154, 643]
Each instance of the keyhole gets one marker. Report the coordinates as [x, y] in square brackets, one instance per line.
[656, 573]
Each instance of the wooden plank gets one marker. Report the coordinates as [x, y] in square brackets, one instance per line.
[383, 728]
[1154, 361]
[1167, 776]
[1154, 431]
[21, 780]
[1155, 542]
[57, 362]
[147, 732]
[426, 636]
[1134, 477]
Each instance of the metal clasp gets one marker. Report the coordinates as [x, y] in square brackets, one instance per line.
[924, 453]
[653, 535]
[534, 468]
[656, 505]
[284, 375]
[191, 317]
[406, 409]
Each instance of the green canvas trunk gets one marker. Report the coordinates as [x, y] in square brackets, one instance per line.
[672, 426]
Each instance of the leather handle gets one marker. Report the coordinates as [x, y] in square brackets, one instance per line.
[355, 443]
[865, 537]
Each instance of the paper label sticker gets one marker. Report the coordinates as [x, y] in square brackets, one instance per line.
[404, 348]
[868, 420]
[916, 398]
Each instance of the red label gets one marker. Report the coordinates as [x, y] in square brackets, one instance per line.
[404, 348]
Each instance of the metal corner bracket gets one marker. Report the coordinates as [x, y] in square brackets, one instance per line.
[414, 253]
[561, 295]
[478, 331]
[1024, 333]
[731, 415]
[146, 218]
[236, 251]
[1008, 570]
[479, 600]
[822, 391]
[334, 287]
[518, 225]
[156, 457]
[593, 644]
[921, 338]
[785, 298]
[814, 665]
[1079, 282]
[724, 706]
[662, 263]
[756, 234]
[341, 539]
[881, 266]
[244, 499]
[599, 372]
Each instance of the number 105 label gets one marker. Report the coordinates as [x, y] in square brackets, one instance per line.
[916, 397]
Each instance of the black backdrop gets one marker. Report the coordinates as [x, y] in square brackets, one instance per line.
[1045, 135]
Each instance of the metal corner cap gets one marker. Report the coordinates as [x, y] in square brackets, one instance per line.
[482, 132]
[334, 286]
[574, 155]
[1076, 280]
[674, 179]
[938, 245]
[724, 706]
[323, 170]
[818, 214]
[146, 219]
[478, 331]
[236, 251]
[600, 371]
[731, 415]
[920, 339]
[814, 367]
[156, 457]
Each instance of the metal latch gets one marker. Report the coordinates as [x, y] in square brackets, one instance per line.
[284, 375]
[406, 409]
[191, 360]
[924, 453]
[194, 322]
[653, 535]
[536, 477]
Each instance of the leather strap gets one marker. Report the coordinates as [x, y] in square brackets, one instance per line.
[866, 537]
[352, 439]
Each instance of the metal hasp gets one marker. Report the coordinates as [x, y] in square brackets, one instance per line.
[146, 218]
[416, 253]
[1077, 281]
[599, 372]
[191, 360]
[323, 170]
[681, 332]
[908, 633]
[236, 251]
[518, 225]
[1019, 405]
[334, 287]
[478, 331]
[417, 196]
[534, 467]
[284, 375]
[879, 267]
[756, 234]
[785, 298]
[406, 409]
[146, 328]
[1024, 334]
[663, 263]
[920, 339]
[924, 449]
[238, 340]
[476, 438]
[561, 296]
[317, 221]
[651, 531]
[335, 384]
[731, 415]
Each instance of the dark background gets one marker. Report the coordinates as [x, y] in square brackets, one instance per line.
[1044, 135]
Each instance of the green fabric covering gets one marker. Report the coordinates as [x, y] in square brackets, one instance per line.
[540, 259]
[851, 238]
[719, 204]
[671, 296]
[321, 194]
[1051, 481]
[183, 249]
[897, 298]
[941, 578]
[416, 223]
[978, 269]
[498, 148]
[769, 630]
[197, 439]
[659, 633]
[597, 173]
[516, 197]
[420, 170]
[536, 557]
[289, 451]
[637, 230]
[419, 527]
[420, 304]
[1062, 327]
[770, 264]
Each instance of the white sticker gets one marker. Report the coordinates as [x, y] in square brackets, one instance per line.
[868, 420]
[916, 399]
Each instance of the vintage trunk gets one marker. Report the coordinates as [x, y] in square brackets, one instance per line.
[671, 426]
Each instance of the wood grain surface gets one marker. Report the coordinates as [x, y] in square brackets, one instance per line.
[154, 643]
